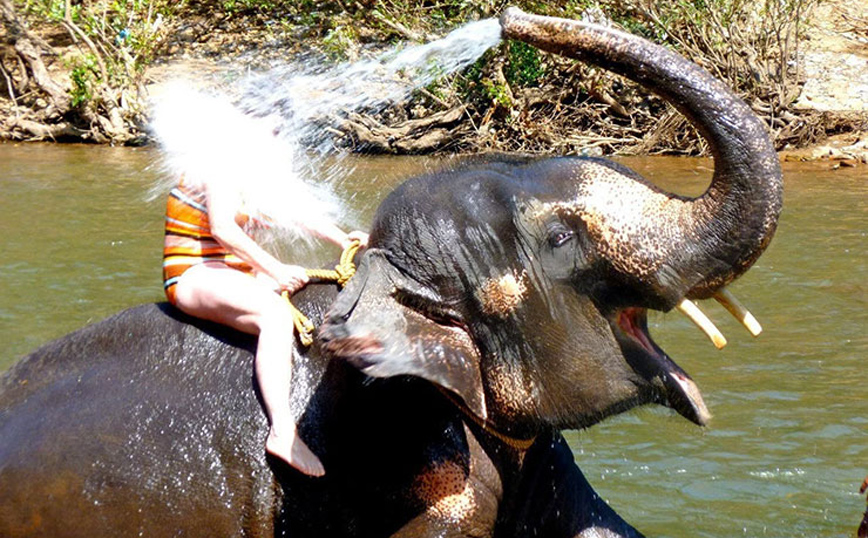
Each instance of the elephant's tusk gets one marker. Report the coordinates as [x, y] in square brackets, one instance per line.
[738, 310]
[689, 309]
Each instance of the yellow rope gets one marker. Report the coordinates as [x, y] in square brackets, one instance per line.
[521, 445]
[342, 272]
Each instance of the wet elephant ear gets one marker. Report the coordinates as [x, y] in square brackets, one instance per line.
[371, 326]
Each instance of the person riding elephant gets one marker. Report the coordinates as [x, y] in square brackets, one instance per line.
[214, 266]
[214, 270]
[499, 301]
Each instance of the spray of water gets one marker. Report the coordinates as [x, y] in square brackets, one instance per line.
[366, 85]
[264, 134]
[210, 142]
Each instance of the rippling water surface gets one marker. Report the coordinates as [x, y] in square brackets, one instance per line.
[788, 445]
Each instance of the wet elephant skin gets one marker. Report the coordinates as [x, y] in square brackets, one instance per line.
[148, 424]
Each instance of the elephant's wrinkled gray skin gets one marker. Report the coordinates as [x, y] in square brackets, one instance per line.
[548, 267]
[499, 302]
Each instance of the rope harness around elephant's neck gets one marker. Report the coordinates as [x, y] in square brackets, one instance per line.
[342, 272]
[521, 445]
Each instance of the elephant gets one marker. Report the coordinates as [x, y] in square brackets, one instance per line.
[500, 301]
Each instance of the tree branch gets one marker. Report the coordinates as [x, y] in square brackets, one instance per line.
[25, 47]
[72, 27]
[9, 85]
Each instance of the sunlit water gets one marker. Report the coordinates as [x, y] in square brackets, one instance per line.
[788, 445]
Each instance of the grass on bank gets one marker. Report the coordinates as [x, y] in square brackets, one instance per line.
[751, 44]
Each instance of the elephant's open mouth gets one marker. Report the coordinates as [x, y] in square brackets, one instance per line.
[678, 391]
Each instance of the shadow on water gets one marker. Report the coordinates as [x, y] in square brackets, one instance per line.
[784, 455]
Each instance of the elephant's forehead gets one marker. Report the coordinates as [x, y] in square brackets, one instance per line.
[626, 219]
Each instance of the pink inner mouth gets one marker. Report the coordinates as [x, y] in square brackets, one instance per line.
[629, 320]
[680, 388]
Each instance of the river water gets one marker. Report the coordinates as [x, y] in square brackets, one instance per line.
[81, 238]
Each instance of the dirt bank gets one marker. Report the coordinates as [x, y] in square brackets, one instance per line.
[835, 60]
[819, 113]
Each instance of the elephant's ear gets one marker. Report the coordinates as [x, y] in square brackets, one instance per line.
[371, 325]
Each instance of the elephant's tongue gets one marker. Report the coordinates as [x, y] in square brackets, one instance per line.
[682, 394]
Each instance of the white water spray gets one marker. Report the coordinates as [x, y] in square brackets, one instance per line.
[209, 141]
[263, 134]
[367, 84]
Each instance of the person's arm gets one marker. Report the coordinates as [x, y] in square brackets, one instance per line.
[222, 209]
[332, 233]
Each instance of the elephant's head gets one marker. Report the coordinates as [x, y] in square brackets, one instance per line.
[522, 286]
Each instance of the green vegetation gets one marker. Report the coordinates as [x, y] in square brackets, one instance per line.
[127, 34]
[524, 68]
[339, 43]
[121, 39]
[84, 74]
[751, 44]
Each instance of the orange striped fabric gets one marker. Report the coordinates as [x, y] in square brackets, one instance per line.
[188, 239]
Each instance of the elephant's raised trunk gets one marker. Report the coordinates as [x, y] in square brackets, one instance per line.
[676, 246]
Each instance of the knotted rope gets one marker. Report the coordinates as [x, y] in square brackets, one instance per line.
[342, 272]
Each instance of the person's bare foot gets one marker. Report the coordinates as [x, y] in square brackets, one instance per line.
[289, 447]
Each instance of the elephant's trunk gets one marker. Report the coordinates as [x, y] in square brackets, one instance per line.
[677, 246]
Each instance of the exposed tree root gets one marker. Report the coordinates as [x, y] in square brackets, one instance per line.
[35, 131]
[29, 50]
[424, 135]
[40, 106]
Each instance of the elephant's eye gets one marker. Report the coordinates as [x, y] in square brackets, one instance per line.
[559, 235]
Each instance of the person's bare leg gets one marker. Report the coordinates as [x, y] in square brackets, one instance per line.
[223, 295]
[274, 354]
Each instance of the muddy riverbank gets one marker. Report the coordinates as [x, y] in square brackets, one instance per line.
[101, 69]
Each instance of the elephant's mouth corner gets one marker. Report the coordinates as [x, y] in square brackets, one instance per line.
[673, 386]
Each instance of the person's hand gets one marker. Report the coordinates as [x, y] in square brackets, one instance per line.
[291, 278]
[356, 235]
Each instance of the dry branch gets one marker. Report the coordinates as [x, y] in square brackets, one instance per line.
[75, 30]
[28, 49]
[412, 136]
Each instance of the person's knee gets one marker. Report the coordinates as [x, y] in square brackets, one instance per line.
[276, 315]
